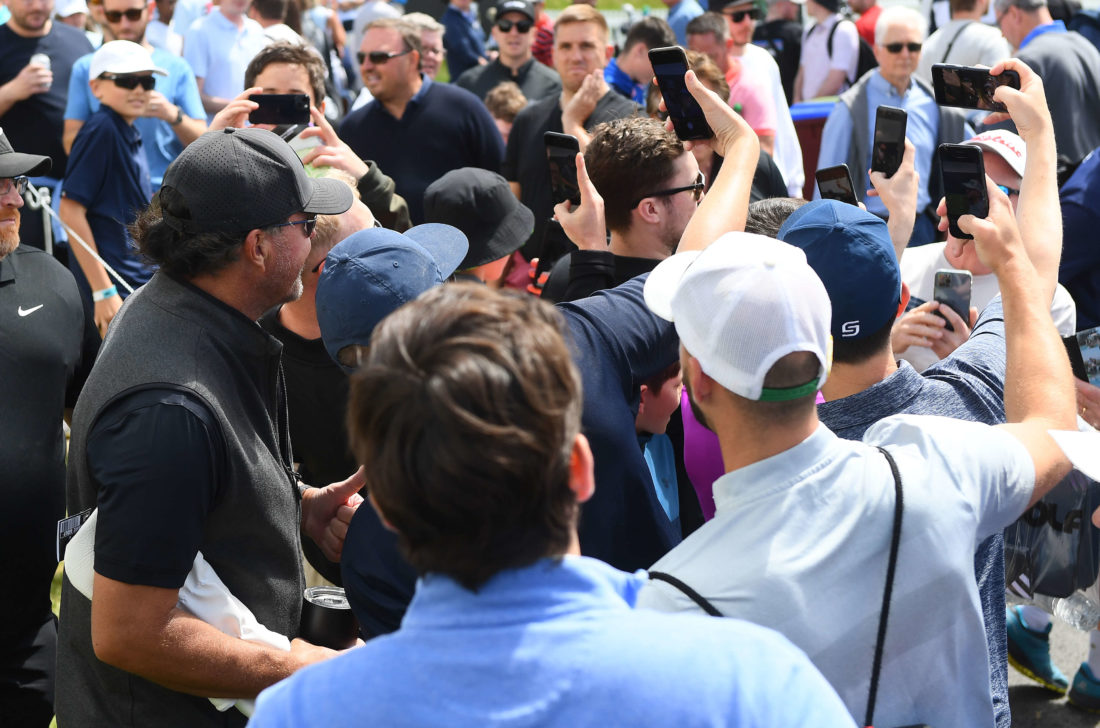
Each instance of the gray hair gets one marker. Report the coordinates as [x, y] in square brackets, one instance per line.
[1029, 6]
[424, 22]
[899, 15]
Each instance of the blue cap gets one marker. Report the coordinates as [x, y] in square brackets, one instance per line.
[373, 272]
[851, 252]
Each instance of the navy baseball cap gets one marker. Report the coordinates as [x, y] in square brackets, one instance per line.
[851, 251]
[373, 272]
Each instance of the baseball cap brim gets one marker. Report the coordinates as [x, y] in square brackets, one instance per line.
[663, 282]
[506, 239]
[17, 164]
[447, 245]
[328, 197]
[986, 144]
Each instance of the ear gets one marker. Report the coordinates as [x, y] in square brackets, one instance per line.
[582, 474]
[257, 248]
[648, 210]
[95, 84]
[381, 516]
[729, 43]
[702, 386]
[644, 395]
[904, 298]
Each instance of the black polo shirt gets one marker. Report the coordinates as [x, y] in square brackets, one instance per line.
[535, 80]
[46, 351]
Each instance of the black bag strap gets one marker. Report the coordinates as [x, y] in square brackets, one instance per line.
[895, 542]
[952, 43]
[691, 593]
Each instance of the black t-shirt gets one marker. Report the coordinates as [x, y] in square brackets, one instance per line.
[525, 163]
[34, 125]
[535, 80]
[46, 351]
[783, 39]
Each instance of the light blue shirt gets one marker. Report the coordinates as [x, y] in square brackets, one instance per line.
[556, 644]
[158, 139]
[680, 15]
[1056, 27]
[922, 129]
[219, 53]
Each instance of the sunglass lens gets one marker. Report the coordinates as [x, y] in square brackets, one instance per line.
[361, 56]
[504, 25]
[523, 26]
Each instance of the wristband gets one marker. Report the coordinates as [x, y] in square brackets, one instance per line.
[104, 294]
[179, 117]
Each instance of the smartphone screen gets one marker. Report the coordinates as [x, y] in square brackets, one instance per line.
[669, 66]
[963, 173]
[970, 88]
[1089, 343]
[952, 288]
[561, 156]
[889, 143]
[280, 109]
[835, 183]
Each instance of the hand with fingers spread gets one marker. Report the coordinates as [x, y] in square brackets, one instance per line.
[235, 113]
[333, 152]
[583, 103]
[584, 224]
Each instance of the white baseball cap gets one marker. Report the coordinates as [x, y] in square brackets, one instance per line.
[122, 57]
[65, 8]
[1005, 144]
[742, 304]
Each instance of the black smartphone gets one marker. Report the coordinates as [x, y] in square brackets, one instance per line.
[970, 87]
[835, 183]
[962, 171]
[561, 155]
[1076, 357]
[889, 145]
[669, 66]
[952, 288]
[280, 109]
[1088, 344]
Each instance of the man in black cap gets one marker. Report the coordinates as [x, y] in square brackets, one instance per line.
[514, 33]
[48, 349]
[180, 440]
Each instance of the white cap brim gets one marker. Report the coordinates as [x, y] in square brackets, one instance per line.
[664, 281]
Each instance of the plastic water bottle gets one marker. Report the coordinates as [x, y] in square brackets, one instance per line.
[1078, 610]
[41, 59]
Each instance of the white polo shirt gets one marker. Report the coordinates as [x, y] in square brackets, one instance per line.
[219, 53]
[788, 152]
[800, 543]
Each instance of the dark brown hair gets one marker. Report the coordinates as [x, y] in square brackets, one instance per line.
[294, 55]
[465, 413]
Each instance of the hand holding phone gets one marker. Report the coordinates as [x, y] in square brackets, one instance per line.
[970, 87]
[952, 289]
[669, 66]
[280, 109]
[889, 140]
[561, 155]
[962, 170]
[835, 183]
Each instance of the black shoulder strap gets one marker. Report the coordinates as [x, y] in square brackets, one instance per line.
[895, 541]
[952, 43]
[691, 593]
[829, 42]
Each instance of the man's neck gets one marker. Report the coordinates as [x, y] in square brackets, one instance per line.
[301, 316]
[26, 32]
[848, 379]
[975, 14]
[515, 64]
[736, 51]
[236, 19]
[744, 442]
[397, 106]
[638, 244]
[233, 291]
[902, 86]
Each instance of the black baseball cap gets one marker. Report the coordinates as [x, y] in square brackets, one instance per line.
[516, 6]
[16, 164]
[480, 204]
[235, 180]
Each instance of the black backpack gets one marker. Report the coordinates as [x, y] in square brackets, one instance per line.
[866, 54]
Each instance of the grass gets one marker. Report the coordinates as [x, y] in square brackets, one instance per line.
[600, 4]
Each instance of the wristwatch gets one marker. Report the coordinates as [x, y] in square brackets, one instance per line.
[179, 117]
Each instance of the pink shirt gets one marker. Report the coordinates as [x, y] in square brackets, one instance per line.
[757, 105]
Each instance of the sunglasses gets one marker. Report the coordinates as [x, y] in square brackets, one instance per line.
[896, 47]
[377, 58]
[131, 82]
[738, 15]
[19, 183]
[133, 15]
[1008, 190]
[308, 225]
[696, 190]
[522, 26]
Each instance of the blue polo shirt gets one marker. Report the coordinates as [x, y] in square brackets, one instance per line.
[1056, 27]
[443, 128]
[618, 79]
[108, 174]
[160, 141]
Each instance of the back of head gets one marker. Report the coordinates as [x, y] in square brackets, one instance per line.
[851, 252]
[292, 54]
[581, 13]
[271, 9]
[628, 159]
[768, 215]
[1028, 6]
[709, 22]
[505, 100]
[467, 411]
[652, 32]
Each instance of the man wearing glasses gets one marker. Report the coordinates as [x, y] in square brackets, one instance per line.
[846, 138]
[514, 33]
[180, 439]
[174, 116]
[417, 130]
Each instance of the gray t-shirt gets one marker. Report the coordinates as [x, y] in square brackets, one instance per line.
[967, 385]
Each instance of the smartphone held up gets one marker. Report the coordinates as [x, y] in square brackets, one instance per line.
[889, 142]
[561, 156]
[280, 109]
[970, 87]
[962, 170]
[669, 66]
[835, 183]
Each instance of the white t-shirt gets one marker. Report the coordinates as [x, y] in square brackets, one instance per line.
[975, 44]
[816, 62]
[788, 152]
[918, 270]
[800, 541]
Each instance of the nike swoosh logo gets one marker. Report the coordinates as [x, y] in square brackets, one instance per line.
[29, 311]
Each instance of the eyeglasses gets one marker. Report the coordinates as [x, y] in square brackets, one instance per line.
[308, 225]
[19, 183]
[377, 58]
[896, 47]
[133, 15]
[738, 15]
[1008, 190]
[522, 26]
[131, 82]
[696, 190]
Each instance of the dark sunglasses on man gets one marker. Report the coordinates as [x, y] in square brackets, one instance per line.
[738, 15]
[523, 26]
[377, 58]
[130, 82]
[896, 47]
[115, 16]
